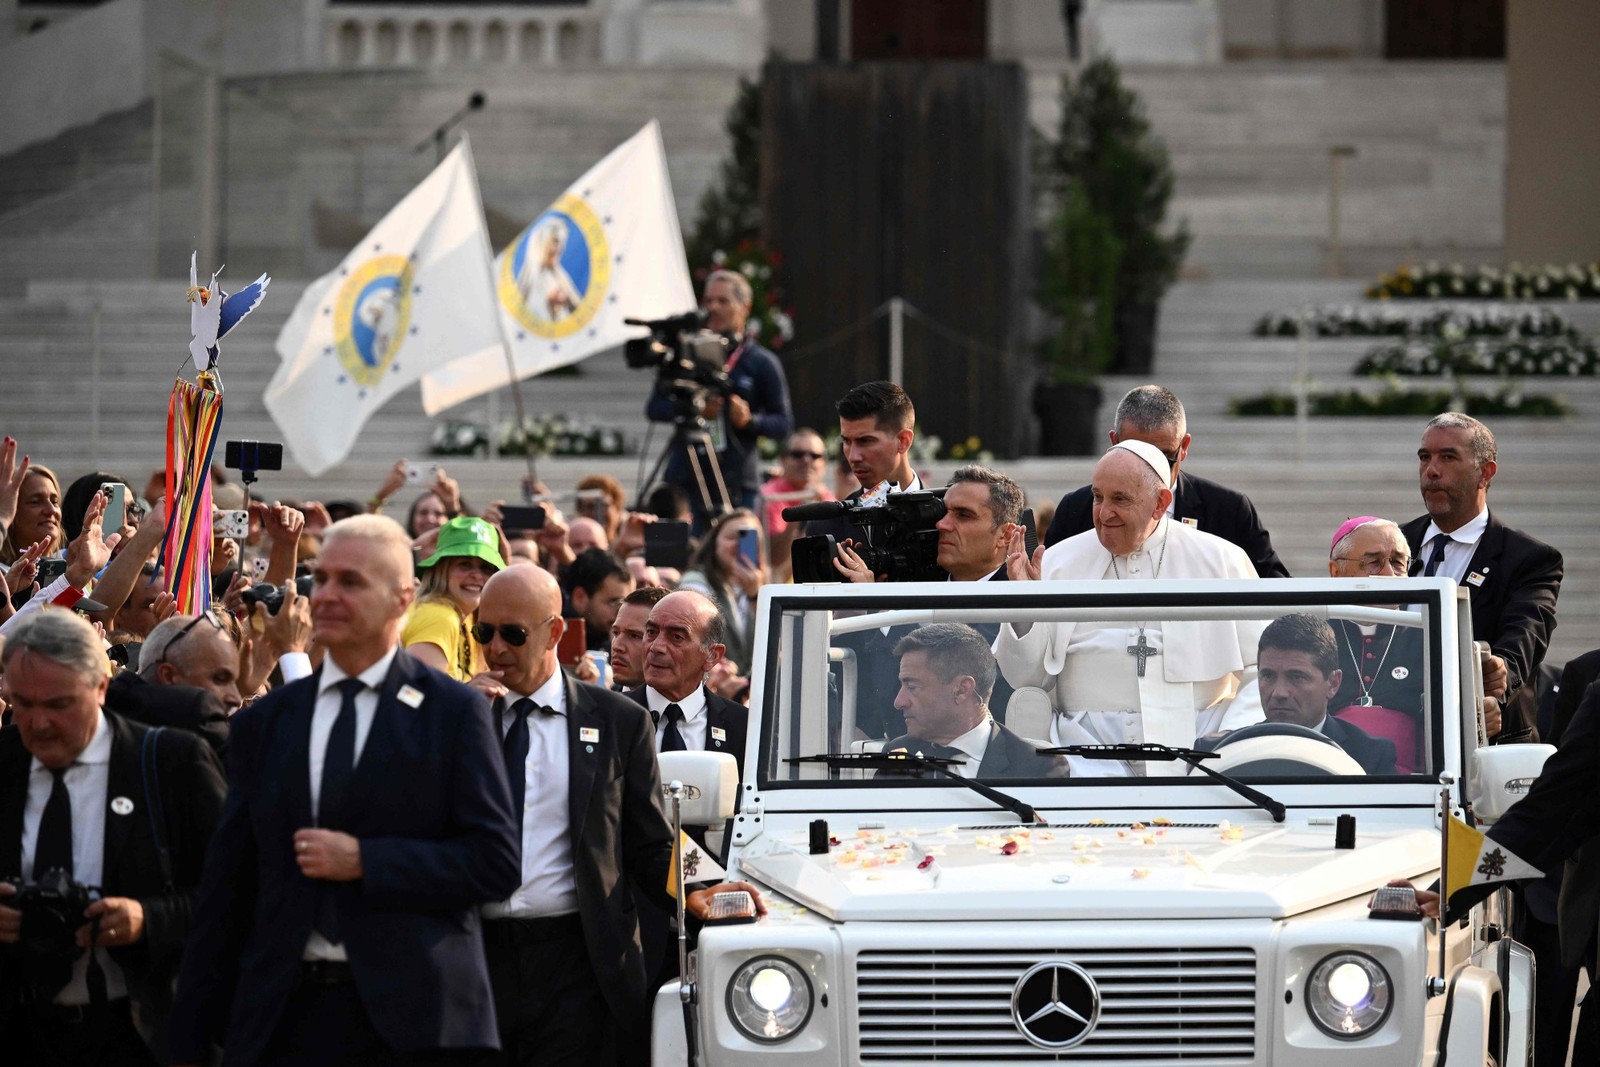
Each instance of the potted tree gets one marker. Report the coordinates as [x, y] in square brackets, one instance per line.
[1105, 143]
[1078, 292]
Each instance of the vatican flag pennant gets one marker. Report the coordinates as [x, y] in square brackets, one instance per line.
[695, 864]
[1479, 860]
[416, 294]
[609, 248]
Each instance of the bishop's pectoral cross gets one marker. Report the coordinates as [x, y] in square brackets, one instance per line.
[1143, 651]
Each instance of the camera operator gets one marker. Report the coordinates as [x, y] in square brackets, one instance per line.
[754, 404]
[109, 823]
[877, 424]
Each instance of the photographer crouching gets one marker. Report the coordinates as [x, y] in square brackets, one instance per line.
[103, 828]
[753, 402]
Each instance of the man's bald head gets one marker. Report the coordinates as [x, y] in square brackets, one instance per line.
[585, 533]
[683, 639]
[524, 600]
[1129, 500]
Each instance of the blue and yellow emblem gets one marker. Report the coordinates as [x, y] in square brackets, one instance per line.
[554, 277]
[371, 317]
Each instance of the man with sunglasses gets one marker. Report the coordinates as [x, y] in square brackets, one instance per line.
[564, 949]
[802, 480]
[368, 817]
[1154, 415]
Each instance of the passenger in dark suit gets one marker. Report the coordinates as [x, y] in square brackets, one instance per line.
[947, 674]
[368, 817]
[1298, 673]
[1154, 415]
[84, 791]
[683, 640]
[1512, 579]
[564, 949]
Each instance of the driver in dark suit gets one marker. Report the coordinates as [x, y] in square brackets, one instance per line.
[1298, 674]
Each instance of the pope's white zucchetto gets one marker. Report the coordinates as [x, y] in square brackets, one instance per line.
[1151, 455]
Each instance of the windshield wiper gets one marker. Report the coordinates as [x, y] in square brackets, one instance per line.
[1194, 757]
[907, 761]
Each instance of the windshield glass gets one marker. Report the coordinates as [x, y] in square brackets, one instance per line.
[1307, 687]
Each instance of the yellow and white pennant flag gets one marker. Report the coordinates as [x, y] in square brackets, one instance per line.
[694, 863]
[1477, 860]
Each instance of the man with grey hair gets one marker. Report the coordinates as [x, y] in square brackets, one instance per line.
[194, 650]
[1163, 681]
[754, 404]
[947, 675]
[1512, 579]
[1154, 415]
[105, 802]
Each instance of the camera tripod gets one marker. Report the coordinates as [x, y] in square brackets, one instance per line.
[689, 437]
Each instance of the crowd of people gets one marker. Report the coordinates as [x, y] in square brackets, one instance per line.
[394, 796]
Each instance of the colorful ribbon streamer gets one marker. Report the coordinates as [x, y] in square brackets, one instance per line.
[194, 421]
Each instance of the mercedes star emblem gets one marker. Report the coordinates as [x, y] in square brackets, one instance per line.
[1055, 1004]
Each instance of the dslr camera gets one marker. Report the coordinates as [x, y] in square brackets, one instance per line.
[905, 544]
[688, 360]
[52, 910]
[272, 596]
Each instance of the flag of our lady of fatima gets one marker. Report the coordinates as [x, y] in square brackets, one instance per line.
[1479, 860]
[194, 422]
[609, 248]
[415, 294]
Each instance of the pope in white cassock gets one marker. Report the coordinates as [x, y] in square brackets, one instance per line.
[1159, 681]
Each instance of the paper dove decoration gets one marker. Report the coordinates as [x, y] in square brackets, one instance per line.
[212, 313]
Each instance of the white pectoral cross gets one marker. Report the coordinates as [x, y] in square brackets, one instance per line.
[1143, 651]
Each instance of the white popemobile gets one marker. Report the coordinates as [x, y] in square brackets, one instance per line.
[1211, 905]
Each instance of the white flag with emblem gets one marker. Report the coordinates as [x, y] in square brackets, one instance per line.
[609, 248]
[415, 294]
[694, 862]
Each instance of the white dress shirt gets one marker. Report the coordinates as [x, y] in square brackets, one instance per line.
[693, 727]
[549, 886]
[323, 717]
[87, 780]
[1458, 549]
[975, 742]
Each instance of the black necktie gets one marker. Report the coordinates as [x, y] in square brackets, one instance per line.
[53, 850]
[338, 763]
[1437, 557]
[515, 747]
[671, 739]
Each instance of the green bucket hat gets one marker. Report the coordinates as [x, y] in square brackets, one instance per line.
[467, 536]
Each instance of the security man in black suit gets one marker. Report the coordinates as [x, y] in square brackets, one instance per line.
[1154, 414]
[1554, 825]
[112, 804]
[1512, 579]
[368, 818]
[1298, 673]
[683, 640]
[947, 674]
[564, 950]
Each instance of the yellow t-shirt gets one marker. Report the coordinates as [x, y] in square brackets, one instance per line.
[437, 622]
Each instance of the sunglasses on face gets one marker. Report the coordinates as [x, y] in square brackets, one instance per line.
[512, 634]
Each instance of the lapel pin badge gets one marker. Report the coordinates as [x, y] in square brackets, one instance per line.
[410, 696]
[718, 734]
[1399, 674]
[1191, 522]
[588, 748]
[1475, 579]
[122, 806]
[588, 733]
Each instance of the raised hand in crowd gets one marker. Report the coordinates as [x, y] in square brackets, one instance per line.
[23, 572]
[552, 538]
[287, 631]
[630, 535]
[724, 678]
[448, 491]
[224, 554]
[11, 475]
[89, 551]
[116, 584]
[317, 518]
[393, 481]
[1019, 568]
[233, 596]
[283, 525]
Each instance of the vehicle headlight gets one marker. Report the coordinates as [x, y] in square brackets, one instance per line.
[769, 999]
[1348, 995]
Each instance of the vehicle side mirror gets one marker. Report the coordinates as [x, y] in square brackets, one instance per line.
[1500, 775]
[710, 785]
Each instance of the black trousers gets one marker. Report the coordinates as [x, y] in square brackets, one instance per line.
[551, 1008]
[325, 1025]
[45, 1036]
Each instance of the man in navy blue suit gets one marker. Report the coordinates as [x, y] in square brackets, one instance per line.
[1298, 672]
[367, 819]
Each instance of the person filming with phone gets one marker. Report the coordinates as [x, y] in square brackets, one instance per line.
[729, 569]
